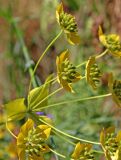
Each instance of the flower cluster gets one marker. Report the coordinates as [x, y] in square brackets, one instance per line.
[66, 71]
[31, 141]
[83, 152]
[93, 73]
[115, 89]
[111, 143]
[68, 25]
[111, 42]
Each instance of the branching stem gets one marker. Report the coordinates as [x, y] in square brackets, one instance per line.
[68, 135]
[75, 100]
[43, 54]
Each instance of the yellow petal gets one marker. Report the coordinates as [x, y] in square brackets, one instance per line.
[47, 132]
[102, 39]
[26, 127]
[21, 153]
[116, 54]
[100, 31]
[118, 137]
[45, 129]
[62, 57]
[66, 86]
[20, 139]
[89, 80]
[73, 38]
[77, 150]
[59, 10]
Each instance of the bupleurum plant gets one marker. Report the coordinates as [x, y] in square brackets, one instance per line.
[33, 141]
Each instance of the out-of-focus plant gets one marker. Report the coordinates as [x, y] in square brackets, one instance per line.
[34, 139]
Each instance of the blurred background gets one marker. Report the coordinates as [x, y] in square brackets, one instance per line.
[26, 28]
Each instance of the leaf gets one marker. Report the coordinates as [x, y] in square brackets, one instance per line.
[38, 94]
[15, 109]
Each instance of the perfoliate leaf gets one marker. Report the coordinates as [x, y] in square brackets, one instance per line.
[15, 109]
[37, 95]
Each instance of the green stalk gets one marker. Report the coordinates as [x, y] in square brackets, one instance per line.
[102, 54]
[97, 57]
[68, 135]
[57, 153]
[81, 64]
[76, 100]
[10, 131]
[43, 54]
[63, 137]
[51, 94]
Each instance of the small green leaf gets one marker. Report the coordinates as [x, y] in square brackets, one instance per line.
[15, 109]
[38, 94]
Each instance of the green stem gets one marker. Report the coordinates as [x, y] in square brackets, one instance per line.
[51, 94]
[70, 142]
[68, 135]
[57, 153]
[102, 54]
[63, 137]
[83, 77]
[97, 57]
[10, 131]
[96, 151]
[76, 100]
[45, 51]
[81, 64]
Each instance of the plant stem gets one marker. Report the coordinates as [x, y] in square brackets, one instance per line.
[96, 151]
[68, 135]
[76, 100]
[51, 94]
[10, 131]
[81, 64]
[57, 153]
[97, 57]
[102, 54]
[62, 137]
[45, 51]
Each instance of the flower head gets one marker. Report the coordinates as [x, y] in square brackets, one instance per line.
[115, 89]
[31, 141]
[67, 73]
[68, 24]
[111, 143]
[82, 151]
[93, 73]
[111, 42]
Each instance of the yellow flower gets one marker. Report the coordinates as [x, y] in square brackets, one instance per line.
[68, 24]
[31, 141]
[82, 151]
[66, 71]
[93, 73]
[115, 89]
[111, 42]
[111, 143]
